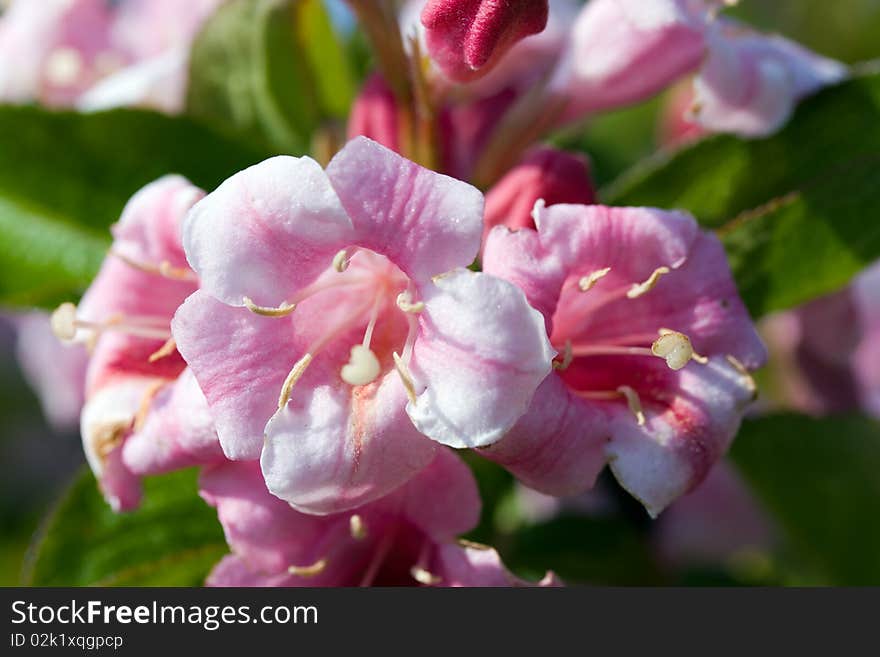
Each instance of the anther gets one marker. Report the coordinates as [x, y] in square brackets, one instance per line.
[463, 542]
[587, 282]
[357, 527]
[424, 576]
[641, 289]
[309, 571]
[362, 368]
[405, 303]
[63, 322]
[634, 403]
[268, 311]
[164, 351]
[567, 357]
[747, 376]
[341, 261]
[295, 373]
[405, 377]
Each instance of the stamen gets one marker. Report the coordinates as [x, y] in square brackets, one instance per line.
[634, 403]
[309, 571]
[267, 311]
[341, 261]
[164, 268]
[405, 378]
[587, 282]
[295, 373]
[146, 402]
[641, 289]
[357, 527]
[362, 368]
[65, 325]
[463, 542]
[739, 367]
[676, 349]
[424, 576]
[165, 350]
[405, 303]
[567, 357]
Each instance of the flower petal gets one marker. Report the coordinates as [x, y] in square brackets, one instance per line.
[480, 567]
[424, 222]
[212, 336]
[266, 232]
[481, 353]
[334, 447]
[680, 441]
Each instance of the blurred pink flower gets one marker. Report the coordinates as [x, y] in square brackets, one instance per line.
[404, 538]
[144, 412]
[336, 319]
[655, 347]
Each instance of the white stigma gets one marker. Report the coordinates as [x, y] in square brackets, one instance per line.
[63, 322]
[675, 348]
[587, 282]
[64, 67]
[362, 368]
[405, 303]
[641, 289]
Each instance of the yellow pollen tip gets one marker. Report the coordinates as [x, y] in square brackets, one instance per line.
[63, 322]
[362, 367]
[587, 282]
[405, 377]
[423, 576]
[357, 527]
[340, 261]
[405, 303]
[309, 571]
[295, 373]
[641, 289]
[268, 311]
[634, 403]
[675, 348]
[164, 351]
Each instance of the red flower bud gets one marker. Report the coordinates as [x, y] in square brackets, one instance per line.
[466, 37]
[375, 114]
[552, 175]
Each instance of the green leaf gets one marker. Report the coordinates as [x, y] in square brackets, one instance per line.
[818, 478]
[270, 69]
[796, 210]
[65, 177]
[173, 539]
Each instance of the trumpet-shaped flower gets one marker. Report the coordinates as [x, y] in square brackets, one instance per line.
[404, 538]
[144, 412]
[337, 327]
[654, 350]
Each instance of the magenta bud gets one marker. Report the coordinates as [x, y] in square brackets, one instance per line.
[467, 37]
[375, 114]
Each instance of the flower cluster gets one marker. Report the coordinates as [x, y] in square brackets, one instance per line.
[319, 339]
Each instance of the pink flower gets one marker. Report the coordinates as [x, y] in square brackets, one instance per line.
[405, 538]
[544, 174]
[654, 347]
[56, 371]
[375, 114]
[335, 306]
[751, 82]
[624, 51]
[466, 37]
[53, 50]
[144, 412]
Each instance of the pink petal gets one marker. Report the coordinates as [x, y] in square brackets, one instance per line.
[266, 232]
[178, 431]
[558, 446]
[240, 361]
[335, 447]
[480, 567]
[424, 222]
[481, 353]
[681, 440]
